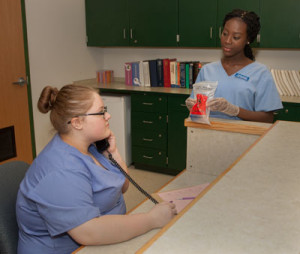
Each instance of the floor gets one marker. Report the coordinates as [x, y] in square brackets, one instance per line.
[149, 181]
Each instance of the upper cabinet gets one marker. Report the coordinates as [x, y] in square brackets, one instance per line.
[131, 22]
[186, 23]
[280, 23]
[197, 23]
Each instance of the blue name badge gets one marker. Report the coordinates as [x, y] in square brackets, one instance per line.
[241, 76]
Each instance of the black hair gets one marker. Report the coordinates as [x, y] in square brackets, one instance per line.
[253, 26]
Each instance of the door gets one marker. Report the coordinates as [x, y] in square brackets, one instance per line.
[153, 23]
[197, 23]
[280, 26]
[107, 23]
[15, 133]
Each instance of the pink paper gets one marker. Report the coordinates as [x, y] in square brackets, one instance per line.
[182, 197]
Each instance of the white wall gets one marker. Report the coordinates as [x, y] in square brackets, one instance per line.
[58, 54]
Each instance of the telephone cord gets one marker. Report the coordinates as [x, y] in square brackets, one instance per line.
[131, 180]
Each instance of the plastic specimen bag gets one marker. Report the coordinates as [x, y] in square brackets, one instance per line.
[203, 92]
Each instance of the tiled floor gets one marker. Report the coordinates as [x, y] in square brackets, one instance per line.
[149, 181]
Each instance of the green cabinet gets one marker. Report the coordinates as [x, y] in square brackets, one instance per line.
[186, 23]
[280, 24]
[131, 22]
[200, 22]
[158, 132]
[177, 135]
[197, 23]
[107, 23]
[290, 112]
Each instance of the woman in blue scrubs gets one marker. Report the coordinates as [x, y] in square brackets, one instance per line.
[246, 89]
[72, 195]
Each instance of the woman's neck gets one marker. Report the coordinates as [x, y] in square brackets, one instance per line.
[76, 142]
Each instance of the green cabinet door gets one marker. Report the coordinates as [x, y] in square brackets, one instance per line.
[280, 24]
[290, 112]
[197, 23]
[226, 6]
[177, 134]
[107, 23]
[153, 23]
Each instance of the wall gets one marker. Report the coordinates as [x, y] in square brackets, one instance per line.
[58, 54]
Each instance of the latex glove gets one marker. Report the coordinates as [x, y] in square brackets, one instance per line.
[189, 102]
[222, 105]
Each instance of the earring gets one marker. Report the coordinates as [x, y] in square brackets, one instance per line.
[248, 42]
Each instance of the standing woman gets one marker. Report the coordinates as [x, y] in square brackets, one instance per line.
[246, 89]
[72, 195]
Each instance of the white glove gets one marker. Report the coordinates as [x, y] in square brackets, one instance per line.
[189, 102]
[222, 105]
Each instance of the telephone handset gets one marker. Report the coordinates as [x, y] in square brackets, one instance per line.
[103, 145]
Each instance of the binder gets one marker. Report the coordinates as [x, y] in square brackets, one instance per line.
[153, 73]
[167, 72]
[160, 72]
[128, 74]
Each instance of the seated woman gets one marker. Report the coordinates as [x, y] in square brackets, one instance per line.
[246, 89]
[72, 194]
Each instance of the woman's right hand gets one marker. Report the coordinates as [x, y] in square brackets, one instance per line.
[189, 102]
[162, 213]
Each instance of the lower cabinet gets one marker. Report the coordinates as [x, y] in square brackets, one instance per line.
[290, 112]
[158, 132]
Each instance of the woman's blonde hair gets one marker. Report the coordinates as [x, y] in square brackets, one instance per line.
[69, 101]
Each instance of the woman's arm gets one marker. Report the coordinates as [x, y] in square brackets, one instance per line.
[257, 116]
[110, 229]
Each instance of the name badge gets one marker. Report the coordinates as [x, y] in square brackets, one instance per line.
[241, 76]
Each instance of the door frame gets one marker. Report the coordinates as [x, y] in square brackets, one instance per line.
[29, 95]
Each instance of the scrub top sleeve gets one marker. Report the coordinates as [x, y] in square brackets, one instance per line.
[65, 200]
[267, 97]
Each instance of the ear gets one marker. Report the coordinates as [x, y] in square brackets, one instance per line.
[76, 123]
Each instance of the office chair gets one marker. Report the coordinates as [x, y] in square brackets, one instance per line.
[11, 174]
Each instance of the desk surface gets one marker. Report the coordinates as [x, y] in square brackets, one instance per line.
[254, 208]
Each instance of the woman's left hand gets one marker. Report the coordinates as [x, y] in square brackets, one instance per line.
[112, 142]
[222, 105]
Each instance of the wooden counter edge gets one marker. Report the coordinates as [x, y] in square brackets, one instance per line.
[230, 127]
[172, 222]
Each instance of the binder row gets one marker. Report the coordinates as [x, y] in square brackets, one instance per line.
[105, 76]
[162, 73]
[287, 82]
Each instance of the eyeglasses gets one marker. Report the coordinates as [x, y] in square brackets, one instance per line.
[101, 113]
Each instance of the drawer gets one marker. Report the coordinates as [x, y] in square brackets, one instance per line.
[177, 103]
[149, 156]
[148, 121]
[149, 103]
[154, 139]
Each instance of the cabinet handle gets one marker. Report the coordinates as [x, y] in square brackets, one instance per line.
[147, 157]
[124, 33]
[220, 31]
[258, 38]
[182, 105]
[148, 122]
[286, 111]
[148, 139]
[147, 103]
[131, 33]
[210, 32]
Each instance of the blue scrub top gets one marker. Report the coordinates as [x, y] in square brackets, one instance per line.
[251, 88]
[61, 190]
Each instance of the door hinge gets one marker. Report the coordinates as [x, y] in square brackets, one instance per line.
[167, 118]
[177, 37]
[167, 161]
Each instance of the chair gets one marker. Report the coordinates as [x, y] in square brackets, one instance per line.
[11, 174]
